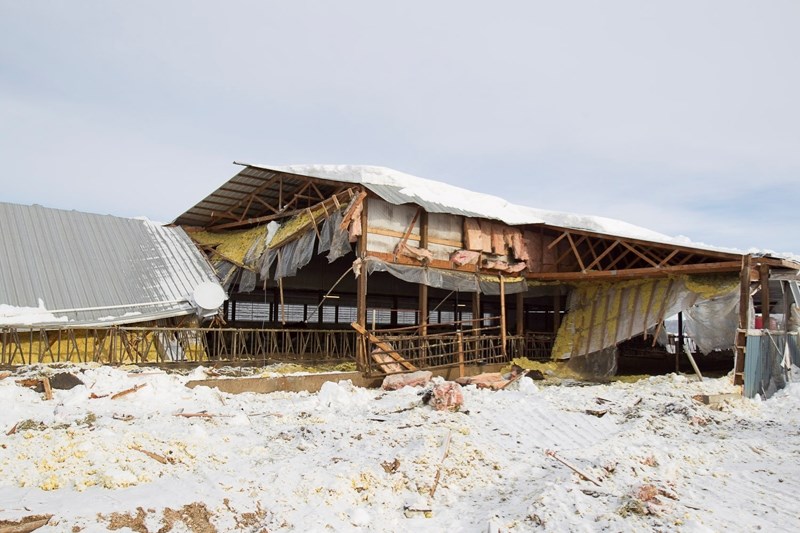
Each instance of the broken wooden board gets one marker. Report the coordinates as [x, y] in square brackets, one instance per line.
[715, 399]
[385, 346]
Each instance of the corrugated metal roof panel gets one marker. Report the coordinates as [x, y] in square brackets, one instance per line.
[95, 269]
[395, 195]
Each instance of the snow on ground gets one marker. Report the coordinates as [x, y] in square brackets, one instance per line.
[351, 459]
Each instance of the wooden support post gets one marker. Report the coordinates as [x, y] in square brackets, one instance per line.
[679, 346]
[423, 289]
[460, 350]
[502, 316]
[361, 290]
[744, 320]
[764, 270]
[520, 314]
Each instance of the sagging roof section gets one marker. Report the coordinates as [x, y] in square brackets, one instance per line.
[72, 269]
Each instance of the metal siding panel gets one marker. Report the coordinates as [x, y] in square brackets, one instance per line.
[752, 365]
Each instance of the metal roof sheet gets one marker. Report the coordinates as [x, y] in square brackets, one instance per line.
[94, 269]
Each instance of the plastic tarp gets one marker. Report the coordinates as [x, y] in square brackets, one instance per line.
[295, 255]
[447, 279]
[432, 277]
[712, 323]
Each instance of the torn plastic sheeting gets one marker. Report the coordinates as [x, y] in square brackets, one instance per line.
[490, 285]
[432, 277]
[295, 255]
[326, 233]
[712, 323]
[340, 242]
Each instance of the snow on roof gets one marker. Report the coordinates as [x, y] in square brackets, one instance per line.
[399, 187]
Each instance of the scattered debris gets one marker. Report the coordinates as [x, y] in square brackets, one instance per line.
[439, 468]
[713, 400]
[160, 458]
[201, 414]
[596, 412]
[413, 379]
[13, 429]
[445, 396]
[552, 453]
[128, 391]
[4, 375]
[494, 380]
[65, 381]
[391, 467]
[25, 525]
[48, 391]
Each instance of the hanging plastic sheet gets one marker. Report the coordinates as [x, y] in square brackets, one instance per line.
[340, 244]
[712, 323]
[248, 281]
[295, 255]
[432, 277]
[329, 228]
[491, 285]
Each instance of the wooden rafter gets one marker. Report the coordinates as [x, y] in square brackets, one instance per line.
[602, 255]
[575, 250]
[639, 254]
[668, 258]
[339, 197]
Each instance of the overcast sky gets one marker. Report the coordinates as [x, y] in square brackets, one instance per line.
[683, 117]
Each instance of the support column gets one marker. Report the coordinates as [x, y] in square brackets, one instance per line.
[361, 290]
[744, 320]
[520, 314]
[502, 316]
[423, 289]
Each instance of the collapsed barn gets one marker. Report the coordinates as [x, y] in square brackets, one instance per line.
[431, 275]
[341, 263]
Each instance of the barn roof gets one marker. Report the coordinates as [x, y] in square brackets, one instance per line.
[74, 268]
[261, 182]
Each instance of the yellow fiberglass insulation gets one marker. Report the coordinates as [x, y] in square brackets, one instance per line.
[603, 314]
[233, 244]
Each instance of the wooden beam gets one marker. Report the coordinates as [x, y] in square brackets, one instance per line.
[705, 268]
[423, 289]
[384, 346]
[502, 316]
[520, 313]
[408, 231]
[361, 287]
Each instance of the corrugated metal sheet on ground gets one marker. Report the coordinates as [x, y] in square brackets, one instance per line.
[94, 269]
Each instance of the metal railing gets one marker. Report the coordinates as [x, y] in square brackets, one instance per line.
[147, 345]
[467, 342]
[137, 345]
